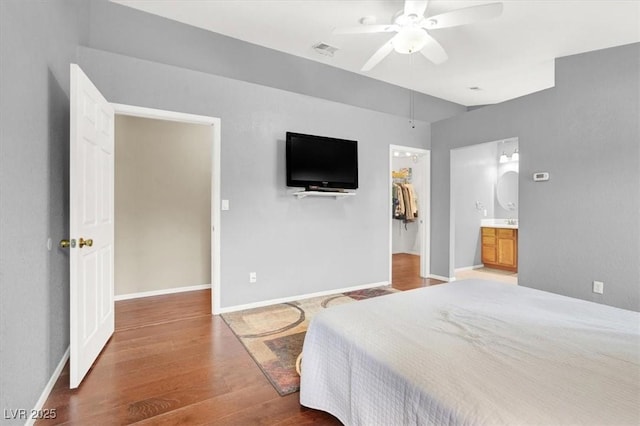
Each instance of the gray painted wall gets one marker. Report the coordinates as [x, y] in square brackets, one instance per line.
[120, 29]
[295, 246]
[38, 40]
[473, 177]
[584, 223]
[37, 43]
[162, 205]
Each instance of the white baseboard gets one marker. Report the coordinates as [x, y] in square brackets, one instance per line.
[469, 268]
[299, 297]
[442, 278]
[161, 292]
[414, 253]
[49, 387]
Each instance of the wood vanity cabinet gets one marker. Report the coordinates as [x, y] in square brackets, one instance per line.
[500, 248]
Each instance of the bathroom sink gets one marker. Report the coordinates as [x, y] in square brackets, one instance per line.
[500, 223]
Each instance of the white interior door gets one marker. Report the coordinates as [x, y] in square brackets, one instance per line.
[91, 224]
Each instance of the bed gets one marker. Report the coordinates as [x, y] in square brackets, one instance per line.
[473, 352]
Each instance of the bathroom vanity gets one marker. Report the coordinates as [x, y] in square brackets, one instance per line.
[500, 246]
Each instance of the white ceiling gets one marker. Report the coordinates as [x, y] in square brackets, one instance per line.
[507, 57]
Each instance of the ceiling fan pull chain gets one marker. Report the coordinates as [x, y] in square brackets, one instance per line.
[411, 96]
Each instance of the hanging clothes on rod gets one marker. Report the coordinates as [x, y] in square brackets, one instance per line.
[411, 205]
[405, 203]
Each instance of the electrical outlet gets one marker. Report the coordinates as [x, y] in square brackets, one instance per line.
[598, 287]
[253, 277]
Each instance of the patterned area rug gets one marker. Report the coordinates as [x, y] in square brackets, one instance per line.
[274, 335]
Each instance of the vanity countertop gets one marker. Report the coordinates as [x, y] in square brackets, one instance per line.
[499, 223]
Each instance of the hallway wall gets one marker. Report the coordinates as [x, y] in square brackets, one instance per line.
[162, 205]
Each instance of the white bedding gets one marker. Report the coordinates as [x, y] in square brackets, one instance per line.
[474, 352]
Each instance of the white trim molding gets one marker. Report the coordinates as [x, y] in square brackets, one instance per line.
[158, 114]
[49, 387]
[161, 292]
[469, 268]
[442, 278]
[300, 297]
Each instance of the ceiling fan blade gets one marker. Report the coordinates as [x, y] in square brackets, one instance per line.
[415, 7]
[366, 29]
[463, 16]
[379, 55]
[433, 51]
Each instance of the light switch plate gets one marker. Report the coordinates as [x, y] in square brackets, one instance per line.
[225, 204]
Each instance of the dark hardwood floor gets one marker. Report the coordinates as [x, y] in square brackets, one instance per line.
[171, 362]
[405, 273]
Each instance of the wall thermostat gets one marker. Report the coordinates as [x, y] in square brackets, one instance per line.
[540, 176]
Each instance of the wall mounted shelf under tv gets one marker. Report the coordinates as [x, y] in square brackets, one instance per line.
[302, 194]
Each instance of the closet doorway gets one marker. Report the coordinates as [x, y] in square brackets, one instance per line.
[409, 219]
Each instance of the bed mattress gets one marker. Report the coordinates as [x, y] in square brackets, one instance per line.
[474, 352]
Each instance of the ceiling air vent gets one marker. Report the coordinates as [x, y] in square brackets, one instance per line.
[324, 49]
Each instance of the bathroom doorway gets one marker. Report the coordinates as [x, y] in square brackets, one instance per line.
[484, 194]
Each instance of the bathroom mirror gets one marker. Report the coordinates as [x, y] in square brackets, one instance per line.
[507, 191]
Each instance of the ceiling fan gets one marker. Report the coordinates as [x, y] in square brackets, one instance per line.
[412, 29]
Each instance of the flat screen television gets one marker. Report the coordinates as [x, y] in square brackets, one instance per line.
[320, 163]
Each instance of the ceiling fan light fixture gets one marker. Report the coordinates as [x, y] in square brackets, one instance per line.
[410, 40]
[412, 28]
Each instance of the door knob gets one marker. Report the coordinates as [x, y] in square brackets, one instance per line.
[65, 243]
[82, 242]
